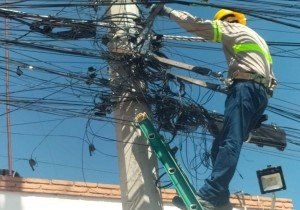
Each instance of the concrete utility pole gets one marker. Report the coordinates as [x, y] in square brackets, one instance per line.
[137, 163]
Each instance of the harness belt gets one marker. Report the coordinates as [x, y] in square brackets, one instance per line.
[251, 76]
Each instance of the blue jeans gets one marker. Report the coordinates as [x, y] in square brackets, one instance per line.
[244, 106]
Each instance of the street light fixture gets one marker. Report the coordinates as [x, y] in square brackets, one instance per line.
[271, 179]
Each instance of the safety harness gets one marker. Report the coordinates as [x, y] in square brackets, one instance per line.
[239, 75]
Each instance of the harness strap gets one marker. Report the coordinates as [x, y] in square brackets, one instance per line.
[251, 76]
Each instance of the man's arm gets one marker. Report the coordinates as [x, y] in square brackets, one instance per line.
[206, 29]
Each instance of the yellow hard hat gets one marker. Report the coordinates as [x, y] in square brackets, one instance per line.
[224, 12]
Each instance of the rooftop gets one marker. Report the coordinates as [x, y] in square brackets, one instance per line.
[107, 191]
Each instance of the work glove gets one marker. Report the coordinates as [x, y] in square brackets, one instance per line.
[165, 11]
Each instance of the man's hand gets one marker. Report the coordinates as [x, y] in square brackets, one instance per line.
[165, 11]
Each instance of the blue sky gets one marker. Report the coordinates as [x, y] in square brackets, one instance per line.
[44, 130]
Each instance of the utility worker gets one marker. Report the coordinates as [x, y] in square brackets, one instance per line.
[251, 81]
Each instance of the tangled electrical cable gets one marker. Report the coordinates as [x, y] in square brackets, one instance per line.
[145, 80]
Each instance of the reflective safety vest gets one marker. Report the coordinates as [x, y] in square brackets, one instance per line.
[244, 49]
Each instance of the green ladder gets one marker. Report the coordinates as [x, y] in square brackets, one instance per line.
[164, 153]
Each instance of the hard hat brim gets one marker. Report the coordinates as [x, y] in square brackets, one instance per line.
[224, 12]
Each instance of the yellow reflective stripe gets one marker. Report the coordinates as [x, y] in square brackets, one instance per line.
[214, 24]
[217, 32]
[252, 47]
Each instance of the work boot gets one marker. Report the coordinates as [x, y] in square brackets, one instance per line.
[178, 202]
[226, 206]
[206, 204]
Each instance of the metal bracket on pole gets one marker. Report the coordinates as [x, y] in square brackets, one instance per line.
[211, 86]
[200, 70]
[163, 152]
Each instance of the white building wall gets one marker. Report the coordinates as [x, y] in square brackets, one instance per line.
[30, 201]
